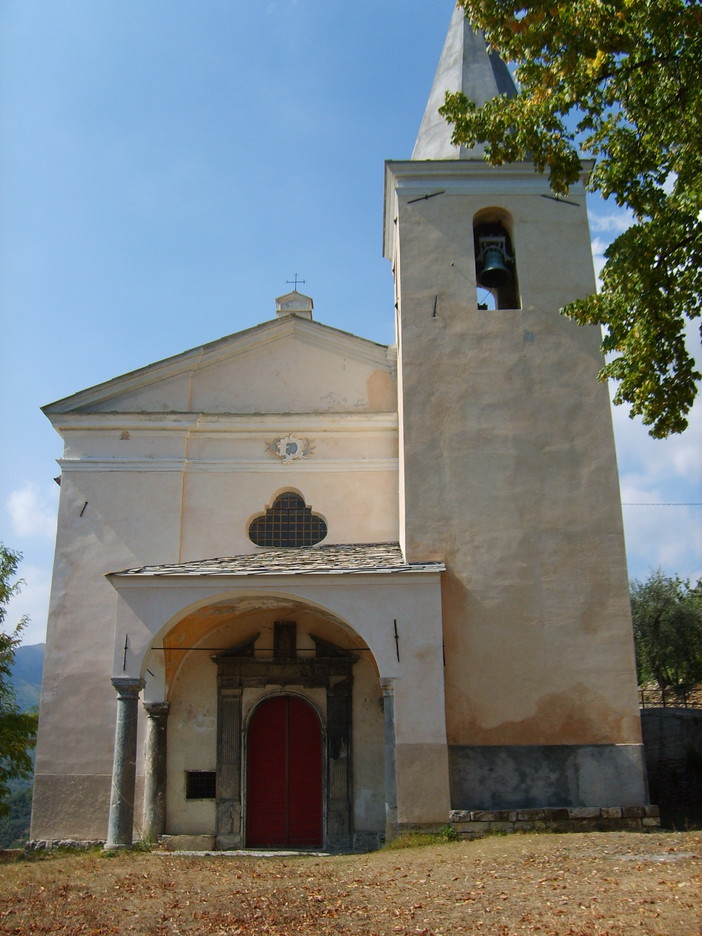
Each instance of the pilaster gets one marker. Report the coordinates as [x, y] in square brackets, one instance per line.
[229, 768]
[388, 689]
[339, 765]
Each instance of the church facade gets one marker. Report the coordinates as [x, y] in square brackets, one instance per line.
[310, 590]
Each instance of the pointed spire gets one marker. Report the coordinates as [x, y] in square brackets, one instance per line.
[465, 65]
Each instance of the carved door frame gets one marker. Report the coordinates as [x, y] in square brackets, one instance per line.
[237, 669]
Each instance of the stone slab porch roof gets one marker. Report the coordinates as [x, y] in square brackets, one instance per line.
[346, 559]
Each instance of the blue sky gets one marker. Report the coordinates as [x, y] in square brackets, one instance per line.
[166, 166]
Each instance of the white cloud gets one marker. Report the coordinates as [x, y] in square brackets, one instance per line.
[598, 248]
[661, 537]
[612, 223]
[33, 512]
[599, 245]
[32, 600]
[607, 227]
[661, 472]
[676, 460]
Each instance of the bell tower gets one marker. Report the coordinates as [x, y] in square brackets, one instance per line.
[507, 466]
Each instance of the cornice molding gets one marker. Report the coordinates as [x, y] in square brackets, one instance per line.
[240, 424]
[457, 170]
[226, 466]
[412, 179]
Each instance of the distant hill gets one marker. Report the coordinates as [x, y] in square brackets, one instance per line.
[26, 675]
[26, 680]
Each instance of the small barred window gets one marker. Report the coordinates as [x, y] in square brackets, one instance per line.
[288, 522]
[200, 784]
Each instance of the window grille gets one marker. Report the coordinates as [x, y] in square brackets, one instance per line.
[200, 784]
[284, 639]
[288, 522]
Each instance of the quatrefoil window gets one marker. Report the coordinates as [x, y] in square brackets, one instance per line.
[288, 522]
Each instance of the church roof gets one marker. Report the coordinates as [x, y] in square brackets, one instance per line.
[465, 65]
[345, 559]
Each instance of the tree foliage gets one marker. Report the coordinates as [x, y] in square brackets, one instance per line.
[618, 80]
[17, 729]
[667, 616]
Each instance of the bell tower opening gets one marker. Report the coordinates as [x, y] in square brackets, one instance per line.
[495, 263]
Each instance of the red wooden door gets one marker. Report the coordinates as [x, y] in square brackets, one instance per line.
[284, 775]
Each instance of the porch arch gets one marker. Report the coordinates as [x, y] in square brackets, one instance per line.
[193, 625]
[216, 677]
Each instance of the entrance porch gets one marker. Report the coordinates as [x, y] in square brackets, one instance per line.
[275, 716]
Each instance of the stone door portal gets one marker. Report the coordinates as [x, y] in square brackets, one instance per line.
[284, 801]
[294, 743]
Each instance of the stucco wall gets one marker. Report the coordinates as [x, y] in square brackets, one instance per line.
[170, 464]
[508, 465]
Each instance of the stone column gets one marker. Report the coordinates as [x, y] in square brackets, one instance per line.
[155, 780]
[229, 818]
[121, 822]
[388, 688]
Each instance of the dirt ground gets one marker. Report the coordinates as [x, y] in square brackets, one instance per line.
[595, 884]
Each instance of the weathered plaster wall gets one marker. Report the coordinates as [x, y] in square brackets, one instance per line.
[100, 527]
[542, 776]
[508, 465]
[203, 503]
[161, 467]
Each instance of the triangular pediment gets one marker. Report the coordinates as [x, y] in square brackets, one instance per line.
[287, 365]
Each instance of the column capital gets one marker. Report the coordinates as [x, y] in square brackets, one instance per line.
[157, 710]
[231, 692]
[387, 685]
[128, 687]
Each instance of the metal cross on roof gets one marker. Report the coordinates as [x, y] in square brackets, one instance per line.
[295, 281]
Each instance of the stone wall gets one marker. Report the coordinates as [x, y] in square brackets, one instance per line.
[509, 777]
[470, 824]
[673, 745]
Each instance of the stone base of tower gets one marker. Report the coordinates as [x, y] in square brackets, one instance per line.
[508, 777]
[473, 823]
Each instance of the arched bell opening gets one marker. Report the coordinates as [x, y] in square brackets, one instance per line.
[222, 662]
[495, 262]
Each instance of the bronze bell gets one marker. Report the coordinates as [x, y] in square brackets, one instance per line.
[493, 271]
